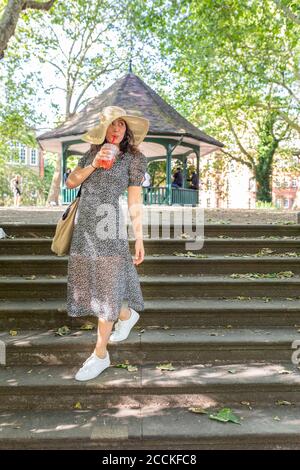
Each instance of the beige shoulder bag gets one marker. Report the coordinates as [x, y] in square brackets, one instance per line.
[64, 230]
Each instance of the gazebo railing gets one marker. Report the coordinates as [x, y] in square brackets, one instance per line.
[152, 195]
[180, 196]
[68, 195]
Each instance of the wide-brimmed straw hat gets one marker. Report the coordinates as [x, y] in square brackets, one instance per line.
[138, 125]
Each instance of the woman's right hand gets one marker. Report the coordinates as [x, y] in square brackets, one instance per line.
[101, 155]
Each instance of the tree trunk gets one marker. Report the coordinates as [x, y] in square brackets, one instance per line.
[266, 150]
[263, 174]
[10, 18]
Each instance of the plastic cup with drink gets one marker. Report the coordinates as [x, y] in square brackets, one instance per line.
[108, 161]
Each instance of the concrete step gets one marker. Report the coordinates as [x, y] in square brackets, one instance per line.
[210, 230]
[41, 265]
[182, 346]
[159, 287]
[187, 313]
[54, 387]
[42, 246]
[150, 427]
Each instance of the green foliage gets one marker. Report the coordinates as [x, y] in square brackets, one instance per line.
[237, 64]
[33, 188]
[264, 205]
[157, 171]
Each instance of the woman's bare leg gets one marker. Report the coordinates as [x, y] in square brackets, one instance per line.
[124, 313]
[104, 331]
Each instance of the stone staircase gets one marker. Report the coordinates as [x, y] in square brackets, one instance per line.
[228, 338]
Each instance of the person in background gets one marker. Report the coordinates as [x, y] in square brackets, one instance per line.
[66, 174]
[15, 186]
[146, 184]
[194, 181]
[178, 179]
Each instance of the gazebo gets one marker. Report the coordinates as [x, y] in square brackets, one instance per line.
[170, 136]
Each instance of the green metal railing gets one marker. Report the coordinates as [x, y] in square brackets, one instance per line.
[178, 196]
[150, 196]
[68, 195]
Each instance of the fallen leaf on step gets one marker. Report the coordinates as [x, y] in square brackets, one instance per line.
[226, 415]
[13, 333]
[127, 366]
[198, 410]
[283, 402]
[87, 326]
[167, 366]
[30, 277]
[78, 406]
[63, 331]
[231, 371]
[276, 418]
[247, 403]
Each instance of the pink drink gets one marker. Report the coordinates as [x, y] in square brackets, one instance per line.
[108, 162]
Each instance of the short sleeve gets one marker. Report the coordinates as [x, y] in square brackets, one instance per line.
[82, 161]
[137, 169]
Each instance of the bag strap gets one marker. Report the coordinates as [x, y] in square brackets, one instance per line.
[79, 191]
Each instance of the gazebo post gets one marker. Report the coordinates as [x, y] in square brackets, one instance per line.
[169, 187]
[65, 146]
[198, 170]
[184, 171]
[198, 161]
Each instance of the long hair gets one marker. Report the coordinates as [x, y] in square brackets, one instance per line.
[126, 145]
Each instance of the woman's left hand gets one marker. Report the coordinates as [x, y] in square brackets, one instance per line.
[139, 252]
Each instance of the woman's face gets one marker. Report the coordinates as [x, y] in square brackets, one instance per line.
[117, 130]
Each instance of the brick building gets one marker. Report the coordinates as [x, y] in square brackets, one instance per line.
[32, 158]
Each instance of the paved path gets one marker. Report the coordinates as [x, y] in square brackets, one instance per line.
[33, 214]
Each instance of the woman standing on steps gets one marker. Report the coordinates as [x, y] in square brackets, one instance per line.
[101, 273]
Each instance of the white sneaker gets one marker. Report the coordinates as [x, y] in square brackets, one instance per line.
[92, 367]
[123, 327]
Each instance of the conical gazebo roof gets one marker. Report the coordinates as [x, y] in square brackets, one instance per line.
[133, 94]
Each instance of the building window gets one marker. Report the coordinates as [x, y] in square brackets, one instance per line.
[286, 203]
[286, 184]
[33, 157]
[208, 184]
[294, 183]
[277, 183]
[278, 203]
[208, 202]
[22, 154]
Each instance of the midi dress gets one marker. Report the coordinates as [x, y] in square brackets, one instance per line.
[101, 273]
